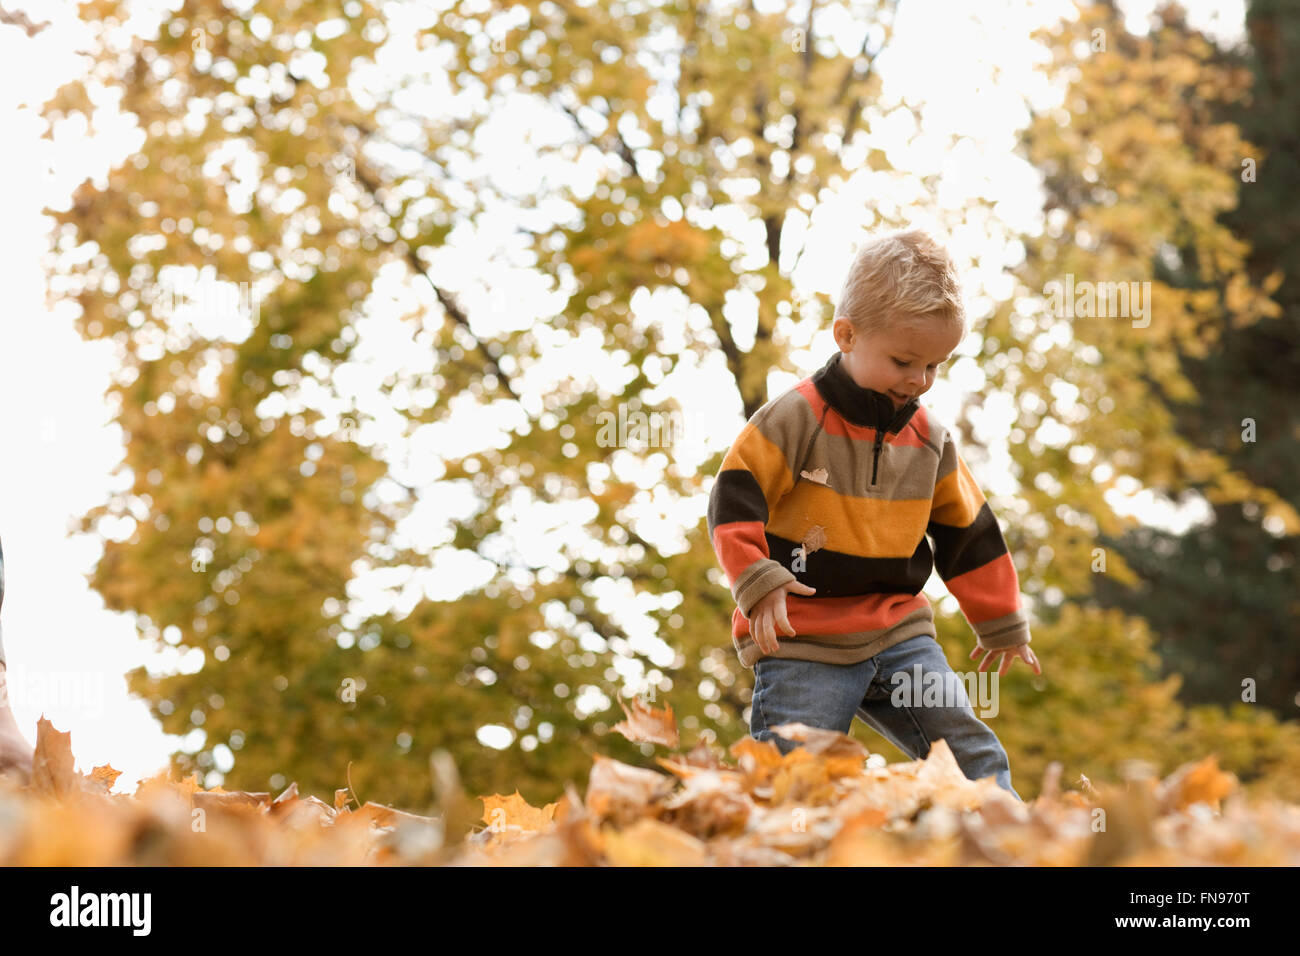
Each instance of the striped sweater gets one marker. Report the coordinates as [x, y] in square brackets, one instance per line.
[830, 484]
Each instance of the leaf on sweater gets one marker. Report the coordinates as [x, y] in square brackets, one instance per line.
[814, 539]
[646, 724]
[818, 475]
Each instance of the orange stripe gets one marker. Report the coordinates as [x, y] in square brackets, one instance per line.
[988, 592]
[846, 615]
[738, 545]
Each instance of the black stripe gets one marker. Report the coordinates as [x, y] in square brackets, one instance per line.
[958, 550]
[736, 496]
[836, 574]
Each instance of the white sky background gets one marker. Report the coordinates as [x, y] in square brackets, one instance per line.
[58, 448]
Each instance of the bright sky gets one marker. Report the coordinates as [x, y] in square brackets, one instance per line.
[67, 653]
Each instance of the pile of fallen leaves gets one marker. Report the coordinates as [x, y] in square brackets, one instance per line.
[827, 802]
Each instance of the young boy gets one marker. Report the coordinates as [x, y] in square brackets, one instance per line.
[819, 516]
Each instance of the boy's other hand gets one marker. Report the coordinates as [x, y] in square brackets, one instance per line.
[1009, 656]
[769, 615]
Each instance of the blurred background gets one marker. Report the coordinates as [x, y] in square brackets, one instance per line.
[366, 367]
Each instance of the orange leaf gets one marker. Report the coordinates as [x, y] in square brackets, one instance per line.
[104, 776]
[514, 810]
[1199, 782]
[646, 724]
[52, 763]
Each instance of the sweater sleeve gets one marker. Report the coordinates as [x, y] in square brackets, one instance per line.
[754, 476]
[971, 556]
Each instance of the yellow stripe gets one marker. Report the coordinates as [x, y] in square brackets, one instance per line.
[755, 453]
[957, 498]
[867, 527]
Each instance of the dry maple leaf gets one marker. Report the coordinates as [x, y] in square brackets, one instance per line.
[814, 540]
[217, 798]
[652, 843]
[621, 792]
[710, 803]
[382, 816]
[514, 810]
[101, 779]
[52, 764]
[646, 724]
[942, 779]
[802, 778]
[758, 759]
[817, 475]
[818, 740]
[1201, 781]
[701, 757]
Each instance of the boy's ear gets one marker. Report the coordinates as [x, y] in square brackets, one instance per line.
[842, 329]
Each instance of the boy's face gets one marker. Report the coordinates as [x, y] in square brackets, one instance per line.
[901, 362]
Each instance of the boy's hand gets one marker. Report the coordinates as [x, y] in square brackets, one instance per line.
[1008, 655]
[769, 615]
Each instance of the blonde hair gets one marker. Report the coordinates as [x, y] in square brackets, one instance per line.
[901, 278]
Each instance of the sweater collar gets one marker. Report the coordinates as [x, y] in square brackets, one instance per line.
[858, 405]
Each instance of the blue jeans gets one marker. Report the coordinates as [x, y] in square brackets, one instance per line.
[831, 695]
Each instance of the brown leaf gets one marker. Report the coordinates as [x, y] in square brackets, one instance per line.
[647, 724]
[711, 803]
[52, 763]
[814, 540]
[701, 757]
[620, 792]
[382, 816]
[238, 800]
[828, 743]
[308, 812]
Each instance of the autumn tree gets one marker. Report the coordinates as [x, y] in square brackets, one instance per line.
[1139, 166]
[1221, 596]
[267, 170]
